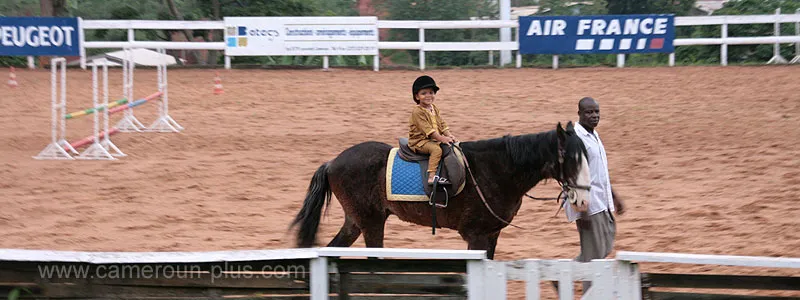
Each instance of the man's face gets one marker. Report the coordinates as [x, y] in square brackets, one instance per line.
[590, 113]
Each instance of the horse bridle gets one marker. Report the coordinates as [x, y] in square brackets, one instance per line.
[566, 187]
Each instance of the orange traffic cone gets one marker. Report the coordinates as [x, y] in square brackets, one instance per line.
[12, 78]
[218, 85]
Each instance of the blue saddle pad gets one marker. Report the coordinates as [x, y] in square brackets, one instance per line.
[403, 179]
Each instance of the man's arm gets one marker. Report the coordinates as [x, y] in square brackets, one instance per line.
[618, 203]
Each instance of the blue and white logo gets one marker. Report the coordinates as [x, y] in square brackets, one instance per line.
[39, 36]
[610, 34]
[236, 36]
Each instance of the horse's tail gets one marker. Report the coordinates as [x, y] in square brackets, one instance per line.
[309, 216]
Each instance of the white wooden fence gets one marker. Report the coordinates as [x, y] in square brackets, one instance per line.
[618, 278]
[424, 46]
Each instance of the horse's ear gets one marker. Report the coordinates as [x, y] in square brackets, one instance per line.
[570, 127]
[560, 132]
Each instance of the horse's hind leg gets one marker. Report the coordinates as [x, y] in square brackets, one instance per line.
[373, 235]
[483, 242]
[347, 235]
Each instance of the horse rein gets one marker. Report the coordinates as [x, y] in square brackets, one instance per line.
[565, 186]
[477, 188]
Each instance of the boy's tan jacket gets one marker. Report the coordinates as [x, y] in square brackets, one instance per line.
[422, 124]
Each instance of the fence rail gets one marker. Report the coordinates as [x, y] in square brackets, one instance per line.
[422, 45]
[319, 273]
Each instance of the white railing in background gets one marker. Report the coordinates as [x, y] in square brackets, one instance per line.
[424, 46]
[132, 25]
[724, 40]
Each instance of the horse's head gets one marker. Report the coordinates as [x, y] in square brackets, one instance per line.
[572, 168]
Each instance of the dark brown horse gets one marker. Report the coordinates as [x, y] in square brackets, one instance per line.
[504, 169]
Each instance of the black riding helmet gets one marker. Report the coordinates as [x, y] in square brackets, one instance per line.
[422, 82]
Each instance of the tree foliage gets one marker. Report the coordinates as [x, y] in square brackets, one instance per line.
[623, 7]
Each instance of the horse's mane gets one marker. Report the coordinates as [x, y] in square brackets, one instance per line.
[524, 149]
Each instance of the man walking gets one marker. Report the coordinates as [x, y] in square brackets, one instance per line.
[596, 225]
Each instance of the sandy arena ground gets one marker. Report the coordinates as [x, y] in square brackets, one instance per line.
[705, 157]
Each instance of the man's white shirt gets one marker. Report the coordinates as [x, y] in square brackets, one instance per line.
[600, 191]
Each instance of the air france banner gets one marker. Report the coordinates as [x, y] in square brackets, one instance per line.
[258, 36]
[607, 34]
[39, 36]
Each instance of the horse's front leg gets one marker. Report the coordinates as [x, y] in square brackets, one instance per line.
[486, 242]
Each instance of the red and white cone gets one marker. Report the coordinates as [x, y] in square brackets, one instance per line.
[218, 85]
[12, 78]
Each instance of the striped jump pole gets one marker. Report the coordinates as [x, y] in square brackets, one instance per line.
[89, 111]
[135, 103]
[57, 149]
[90, 139]
[164, 123]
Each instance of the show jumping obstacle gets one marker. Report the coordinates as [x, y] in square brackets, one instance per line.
[104, 149]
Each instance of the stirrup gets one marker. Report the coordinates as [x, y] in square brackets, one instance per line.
[446, 199]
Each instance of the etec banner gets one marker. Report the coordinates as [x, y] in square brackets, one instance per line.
[258, 36]
[39, 36]
[606, 34]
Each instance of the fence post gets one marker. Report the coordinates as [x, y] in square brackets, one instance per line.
[475, 279]
[227, 62]
[672, 59]
[496, 279]
[629, 280]
[565, 288]
[603, 285]
[422, 48]
[376, 62]
[532, 279]
[776, 55]
[505, 32]
[723, 51]
[519, 55]
[620, 60]
[325, 63]
[635, 282]
[796, 58]
[555, 62]
[319, 278]
[131, 34]
[82, 41]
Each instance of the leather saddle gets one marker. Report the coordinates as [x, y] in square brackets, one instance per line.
[452, 168]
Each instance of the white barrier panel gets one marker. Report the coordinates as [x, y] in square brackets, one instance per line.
[618, 278]
[727, 260]
[258, 36]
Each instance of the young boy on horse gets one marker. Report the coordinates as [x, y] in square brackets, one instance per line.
[427, 129]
